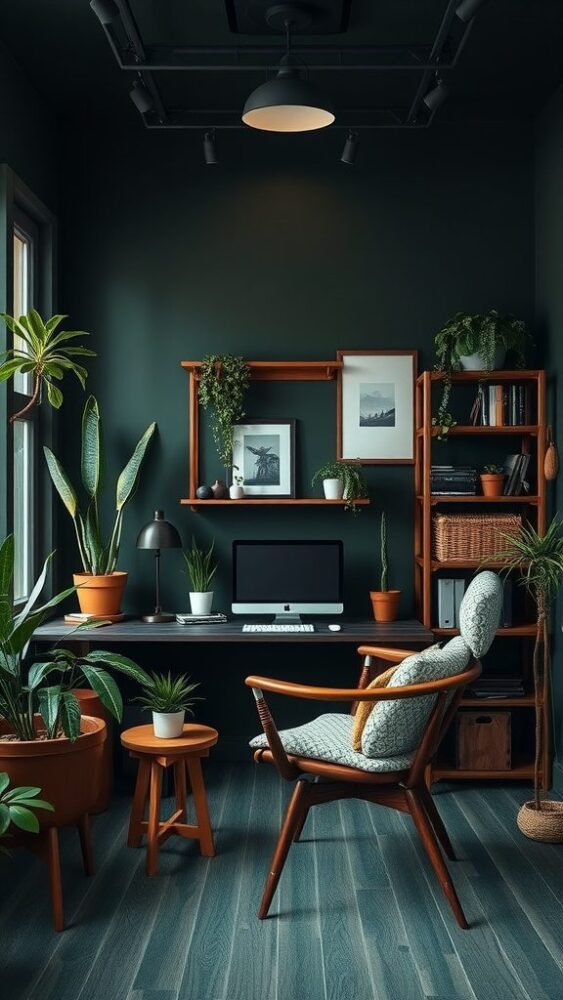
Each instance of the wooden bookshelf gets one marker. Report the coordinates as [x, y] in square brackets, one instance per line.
[530, 439]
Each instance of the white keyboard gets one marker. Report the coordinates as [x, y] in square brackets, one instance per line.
[278, 628]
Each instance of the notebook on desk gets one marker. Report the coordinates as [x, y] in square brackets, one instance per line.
[188, 619]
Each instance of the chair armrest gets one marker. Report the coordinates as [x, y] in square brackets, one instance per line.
[259, 684]
[386, 653]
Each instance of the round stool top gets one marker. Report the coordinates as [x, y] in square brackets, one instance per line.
[194, 737]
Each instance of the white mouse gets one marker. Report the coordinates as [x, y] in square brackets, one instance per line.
[334, 628]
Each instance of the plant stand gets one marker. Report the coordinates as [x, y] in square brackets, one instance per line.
[45, 845]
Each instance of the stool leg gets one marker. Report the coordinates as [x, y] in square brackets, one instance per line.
[206, 845]
[54, 863]
[138, 808]
[154, 818]
[86, 844]
[180, 787]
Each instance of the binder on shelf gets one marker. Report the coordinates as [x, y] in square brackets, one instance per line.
[506, 614]
[446, 605]
[459, 591]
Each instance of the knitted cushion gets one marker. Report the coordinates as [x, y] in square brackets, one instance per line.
[330, 738]
[480, 611]
[365, 708]
[396, 727]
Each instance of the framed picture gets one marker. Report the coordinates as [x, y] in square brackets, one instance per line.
[375, 416]
[264, 451]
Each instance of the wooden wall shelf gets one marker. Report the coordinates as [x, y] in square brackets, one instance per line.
[282, 371]
[271, 502]
[445, 498]
[474, 430]
[498, 375]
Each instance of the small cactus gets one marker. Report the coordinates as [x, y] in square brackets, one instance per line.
[384, 555]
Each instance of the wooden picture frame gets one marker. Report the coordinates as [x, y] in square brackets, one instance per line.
[263, 428]
[349, 434]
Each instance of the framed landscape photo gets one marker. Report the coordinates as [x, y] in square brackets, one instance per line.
[264, 451]
[375, 414]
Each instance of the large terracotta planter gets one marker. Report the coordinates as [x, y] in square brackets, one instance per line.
[68, 774]
[100, 595]
[492, 484]
[90, 704]
[385, 604]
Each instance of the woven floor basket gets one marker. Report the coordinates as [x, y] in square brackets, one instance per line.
[472, 536]
[545, 824]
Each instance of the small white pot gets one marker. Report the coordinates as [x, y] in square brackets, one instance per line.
[236, 492]
[334, 488]
[475, 363]
[168, 725]
[201, 603]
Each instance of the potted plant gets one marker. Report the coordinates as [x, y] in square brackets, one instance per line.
[492, 481]
[223, 381]
[341, 481]
[236, 490]
[385, 602]
[168, 699]
[44, 740]
[100, 586]
[16, 808]
[539, 560]
[201, 570]
[39, 350]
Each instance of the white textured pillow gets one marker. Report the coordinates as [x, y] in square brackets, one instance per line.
[480, 611]
[396, 727]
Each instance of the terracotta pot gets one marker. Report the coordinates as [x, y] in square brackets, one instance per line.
[492, 484]
[68, 774]
[91, 705]
[385, 604]
[100, 595]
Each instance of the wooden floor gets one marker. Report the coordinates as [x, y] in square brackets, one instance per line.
[357, 916]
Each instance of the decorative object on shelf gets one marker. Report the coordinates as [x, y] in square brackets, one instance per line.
[492, 481]
[223, 381]
[542, 556]
[463, 537]
[551, 461]
[342, 482]
[168, 698]
[40, 351]
[100, 587]
[483, 741]
[375, 400]
[236, 490]
[264, 451]
[219, 490]
[16, 808]
[204, 493]
[156, 535]
[385, 602]
[201, 570]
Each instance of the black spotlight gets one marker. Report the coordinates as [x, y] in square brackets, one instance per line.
[141, 97]
[105, 10]
[436, 97]
[467, 9]
[350, 148]
[209, 149]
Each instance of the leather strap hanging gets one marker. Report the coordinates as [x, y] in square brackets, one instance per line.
[551, 462]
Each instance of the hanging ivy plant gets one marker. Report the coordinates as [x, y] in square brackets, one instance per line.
[223, 381]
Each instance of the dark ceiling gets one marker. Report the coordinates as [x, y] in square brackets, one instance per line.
[510, 64]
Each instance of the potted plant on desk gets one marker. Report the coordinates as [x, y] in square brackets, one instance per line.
[201, 570]
[385, 602]
[168, 699]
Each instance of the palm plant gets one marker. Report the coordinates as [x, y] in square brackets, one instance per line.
[43, 352]
[166, 694]
[16, 808]
[97, 558]
[539, 560]
[200, 566]
[23, 691]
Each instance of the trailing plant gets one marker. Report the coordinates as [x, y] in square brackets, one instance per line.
[223, 381]
[353, 481]
[41, 351]
[165, 693]
[384, 555]
[16, 808]
[97, 558]
[200, 566]
[539, 560]
[46, 687]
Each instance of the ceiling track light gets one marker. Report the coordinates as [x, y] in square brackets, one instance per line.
[468, 9]
[436, 97]
[209, 148]
[106, 11]
[141, 97]
[350, 148]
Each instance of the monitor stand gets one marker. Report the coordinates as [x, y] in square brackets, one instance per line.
[287, 618]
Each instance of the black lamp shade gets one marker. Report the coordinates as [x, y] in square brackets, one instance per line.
[159, 534]
[287, 103]
[209, 148]
[468, 9]
[350, 148]
[436, 97]
[141, 97]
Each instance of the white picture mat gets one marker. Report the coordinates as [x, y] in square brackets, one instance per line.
[393, 443]
[284, 431]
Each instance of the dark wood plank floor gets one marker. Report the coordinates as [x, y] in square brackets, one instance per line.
[357, 916]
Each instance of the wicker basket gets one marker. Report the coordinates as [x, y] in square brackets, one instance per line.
[472, 536]
[545, 824]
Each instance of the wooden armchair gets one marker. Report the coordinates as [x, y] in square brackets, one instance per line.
[320, 781]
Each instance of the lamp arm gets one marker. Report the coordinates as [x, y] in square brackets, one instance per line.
[157, 607]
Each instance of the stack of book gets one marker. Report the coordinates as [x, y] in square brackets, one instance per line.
[509, 686]
[502, 406]
[458, 480]
[515, 469]
[217, 619]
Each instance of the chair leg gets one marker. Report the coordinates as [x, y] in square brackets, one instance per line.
[154, 818]
[206, 845]
[301, 824]
[437, 823]
[86, 844]
[432, 848]
[54, 864]
[138, 807]
[295, 815]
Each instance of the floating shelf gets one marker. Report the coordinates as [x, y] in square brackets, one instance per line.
[448, 498]
[498, 375]
[282, 371]
[518, 631]
[196, 504]
[461, 430]
[436, 564]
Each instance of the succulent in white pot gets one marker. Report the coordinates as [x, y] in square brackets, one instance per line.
[168, 698]
[201, 570]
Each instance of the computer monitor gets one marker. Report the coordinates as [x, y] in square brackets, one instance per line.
[287, 578]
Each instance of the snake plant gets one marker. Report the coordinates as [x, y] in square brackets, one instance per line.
[97, 558]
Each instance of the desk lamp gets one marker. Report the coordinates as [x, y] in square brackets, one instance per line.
[156, 535]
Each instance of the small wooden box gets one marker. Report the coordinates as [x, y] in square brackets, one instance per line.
[483, 741]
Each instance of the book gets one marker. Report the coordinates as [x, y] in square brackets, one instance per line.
[188, 619]
[446, 607]
[459, 591]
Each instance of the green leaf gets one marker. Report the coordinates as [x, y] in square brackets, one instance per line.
[90, 462]
[37, 326]
[54, 395]
[4, 819]
[105, 687]
[129, 478]
[24, 819]
[61, 482]
[70, 715]
[55, 321]
[92, 540]
[85, 352]
[37, 588]
[10, 367]
[49, 699]
[39, 671]
[119, 662]
[16, 327]
[6, 564]
[21, 792]
[65, 335]
[4, 781]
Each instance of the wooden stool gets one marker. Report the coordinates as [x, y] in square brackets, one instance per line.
[184, 755]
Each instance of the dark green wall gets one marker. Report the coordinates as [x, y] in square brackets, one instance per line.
[279, 252]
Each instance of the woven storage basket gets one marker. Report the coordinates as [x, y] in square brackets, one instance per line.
[545, 824]
[472, 536]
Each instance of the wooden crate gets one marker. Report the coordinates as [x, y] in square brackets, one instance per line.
[483, 741]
